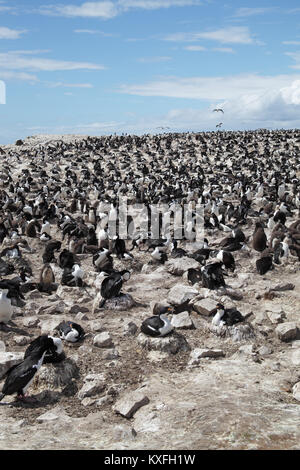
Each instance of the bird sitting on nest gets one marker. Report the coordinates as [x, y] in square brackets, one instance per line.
[158, 324]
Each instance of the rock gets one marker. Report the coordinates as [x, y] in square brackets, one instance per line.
[78, 308]
[265, 350]
[295, 358]
[110, 354]
[198, 354]
[170, 344]
[130, 329]
[204, 306]
[178, 266]
[180, 293]
[48, 326]
[123, 433]
[22, 340]
[296, 391]
[53, 309]
[182, 321]
[130, 403]
[2, 346]
[66, 292]
[96, 325]
[81, 317]
[275, 317]
[120, 303]
[9, 359]
[56, 376]
[93, 384]
[54, 415]
[287, 331]
[233, 294]
[31, 322]
[103, 340]
[247, 349]
[260, 318]
[283, 287]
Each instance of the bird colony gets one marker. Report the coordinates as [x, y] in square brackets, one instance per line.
[129, 264]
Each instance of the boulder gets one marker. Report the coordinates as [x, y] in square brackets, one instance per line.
[182, 321]
[178, 266]
[287, 331]
[170, 344]
[9, 359]
[199, 353]
[103, 340]
[130, 403]
[204, 306]
[93, 384]
[180, 293]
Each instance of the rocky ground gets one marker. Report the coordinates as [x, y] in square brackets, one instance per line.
[193, 389]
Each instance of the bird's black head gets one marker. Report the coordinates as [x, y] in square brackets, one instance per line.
[220, 306]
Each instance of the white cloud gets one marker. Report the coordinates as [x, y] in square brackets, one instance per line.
[69, 85]
[18, 61]
[149, 60]
[246, 12]
[93, 31]
[292, 43]
[103, 10]
[108, 9]
[7, 33]
[296, 57]
[230, 35]
[195, 48]
[6, 75]
[227, 50]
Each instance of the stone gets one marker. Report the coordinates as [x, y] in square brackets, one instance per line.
[48, 326]
[54, 415]
[31, 322]
[182, 321]
[204, 306]
[260, 318]
[22, 340]
[53, 309]
[265, 350]
[93, 384]
[58, 375]
[110, 354]
[103, 340]
[178, 266]
[199, 353]
[170, 344]
[276, 317]
[130, 329]
[78, 308]
[296, 391]
[287, 331]
[9, 359]
[96, 325]
[122, 432]
[130, 403]
[2, 346]
[295, 357]
[180, 293]
[81, 317]
[283, 287]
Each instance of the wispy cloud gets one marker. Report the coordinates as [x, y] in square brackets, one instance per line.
[195, 48]
[7, 33]
[246, 12]
[150, 60]
[69, 85]
[226, 50]
[296, 57]
[211, 88]
[291, 43]
[109, 9]
[94, 32]
[18, 61]
[230, 35]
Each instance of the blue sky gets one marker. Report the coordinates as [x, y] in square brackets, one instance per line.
[147, 66]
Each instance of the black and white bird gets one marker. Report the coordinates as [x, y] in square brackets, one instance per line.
[102, 260]
[226, 257]
[212, 275]
[112, 285]
[226, 316]
[159, 324]
[70, 331]
[20, 376]
[51, 356]
[6, 309]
